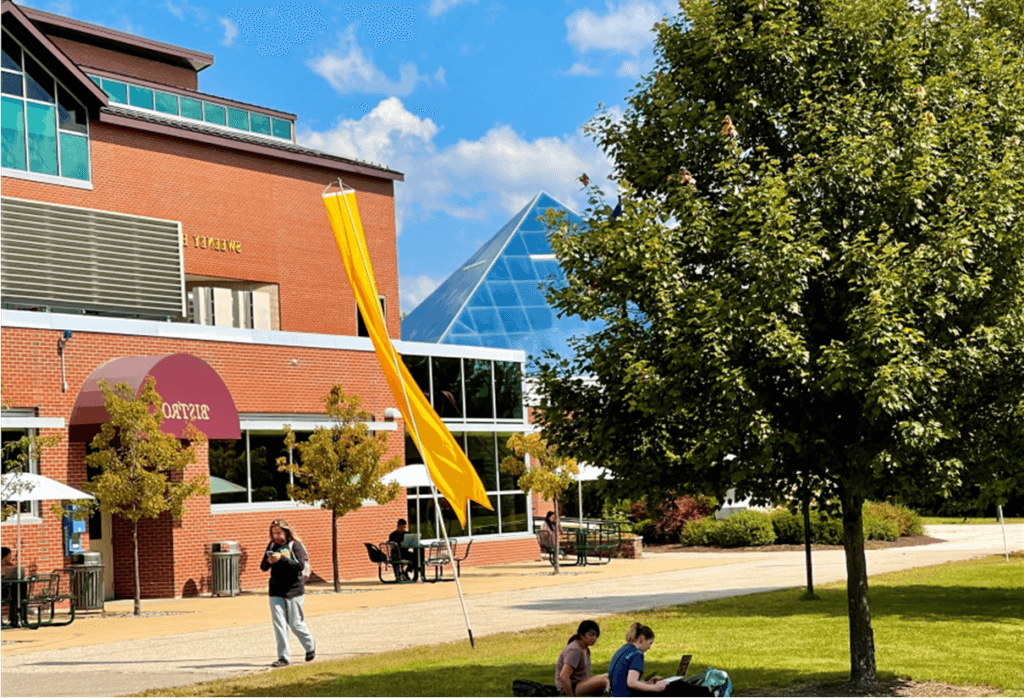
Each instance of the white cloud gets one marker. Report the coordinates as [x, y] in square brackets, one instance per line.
[175, 9]
[634, 69]
[625, 28]
[230, 31]
[439, 75]
[582, 69]
[413, 289]
[347, 69]
[439, 7]
[179, 8]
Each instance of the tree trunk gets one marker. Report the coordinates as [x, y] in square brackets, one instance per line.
[862, 639]
[334, 549]
[558, 517]
[135, 554]
[807, 543]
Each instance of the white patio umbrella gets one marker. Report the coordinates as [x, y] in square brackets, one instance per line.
[29, 487]
[413, 475]
[589, 473]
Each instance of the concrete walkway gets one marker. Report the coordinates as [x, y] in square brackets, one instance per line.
[207, 638]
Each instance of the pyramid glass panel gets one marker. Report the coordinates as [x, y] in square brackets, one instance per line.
[521, 268]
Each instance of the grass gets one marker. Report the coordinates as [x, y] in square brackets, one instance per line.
[974, 520]
[960, 623]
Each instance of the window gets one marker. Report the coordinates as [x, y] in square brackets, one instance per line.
[447, 376]
[247, 307]
[18, 453]
[45, 130]
[361, 330]
[255, 478]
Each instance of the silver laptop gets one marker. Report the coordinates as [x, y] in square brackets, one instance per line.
[411, 539]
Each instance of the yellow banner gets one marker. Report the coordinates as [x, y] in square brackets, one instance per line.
[450, 470]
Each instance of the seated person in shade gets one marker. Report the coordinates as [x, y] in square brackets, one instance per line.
[10, 569]
[398, 536]
[572, 671]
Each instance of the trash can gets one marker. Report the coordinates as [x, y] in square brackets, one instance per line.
[226, 575]
[87, 581]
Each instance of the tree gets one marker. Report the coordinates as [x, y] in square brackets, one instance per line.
[818, 267]
[540, 468]
[141, 468]
[341, 465]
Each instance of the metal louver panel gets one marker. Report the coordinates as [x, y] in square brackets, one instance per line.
[69, 258]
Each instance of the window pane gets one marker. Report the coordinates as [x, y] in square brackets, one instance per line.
[99, 83]
[13, 133]
[11, 84]
[117, 91]
[513, 512]
[191, 108]
[508, 389]
[238, 118]
[214, 113]
[140, 97]
[480, 451]
[448, 387]
[412, 454]
[506, 481]
[259, 123]
[15, 456]
[478, 389]
[11, 56]
[166, 103]
[268, 483]
[42, 138]
[282, 128]
[71, 113]
[74, 156]
[419, 367]
[450, 522]
[227, 462]
[484, 521]
[38, 83]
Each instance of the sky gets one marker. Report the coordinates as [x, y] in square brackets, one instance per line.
[480, 103]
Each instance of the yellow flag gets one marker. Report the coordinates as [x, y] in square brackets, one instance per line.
[450, 470]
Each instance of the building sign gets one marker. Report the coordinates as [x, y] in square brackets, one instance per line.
[204, 242]
[186, 410]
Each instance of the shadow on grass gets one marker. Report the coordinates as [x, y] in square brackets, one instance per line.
[911, 602]
[485, 680]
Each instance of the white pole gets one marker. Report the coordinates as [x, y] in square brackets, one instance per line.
[415, 430]
[579, 485]
[1002, 522]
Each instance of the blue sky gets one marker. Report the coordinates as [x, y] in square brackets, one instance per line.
[480, 103]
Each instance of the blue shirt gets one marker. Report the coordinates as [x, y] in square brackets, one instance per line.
[625, 658]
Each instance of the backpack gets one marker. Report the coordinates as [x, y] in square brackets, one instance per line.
[306, 569]
[714, 679]
[525, 687]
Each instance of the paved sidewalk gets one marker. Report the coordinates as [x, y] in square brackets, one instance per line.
[211, 638]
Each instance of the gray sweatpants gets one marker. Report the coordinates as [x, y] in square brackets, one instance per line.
[287, 613]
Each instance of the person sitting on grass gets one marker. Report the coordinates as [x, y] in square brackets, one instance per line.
[572, 671]
[627, 665]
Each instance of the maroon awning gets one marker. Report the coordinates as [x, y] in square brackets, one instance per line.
[190, 388]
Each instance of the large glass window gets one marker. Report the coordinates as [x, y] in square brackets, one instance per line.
[508, 389]
[45, 129]
[479, 400]
[419, 367]
[15, 456]
[480, 451]
[448, 387]
[229, 465]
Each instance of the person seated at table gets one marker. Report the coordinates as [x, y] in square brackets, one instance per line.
[627, 665]
[398, 536]
[572, 670]
[549, 529]
[10, 569]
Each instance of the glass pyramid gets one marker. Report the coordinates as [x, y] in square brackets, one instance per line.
[496, 298]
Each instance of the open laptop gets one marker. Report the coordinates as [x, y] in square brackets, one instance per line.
[411, 539]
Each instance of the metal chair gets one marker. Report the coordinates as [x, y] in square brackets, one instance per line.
[437, 557]
[404, 568]
[44, 594]
[458, 560]
[383, 562]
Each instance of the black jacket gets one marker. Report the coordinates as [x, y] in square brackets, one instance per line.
[286, 574]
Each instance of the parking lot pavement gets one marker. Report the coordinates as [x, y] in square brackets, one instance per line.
[209, 638]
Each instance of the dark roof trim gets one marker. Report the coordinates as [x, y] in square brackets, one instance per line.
[118, 41]
[189, 93]
[283, 152]
[22, 28]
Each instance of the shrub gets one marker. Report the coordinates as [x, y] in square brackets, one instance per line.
[645, 529]
[877, 528]
[907, 521]
[746, 528]
[701, 532]
[670, 517]
[825, 530]
[789, 527]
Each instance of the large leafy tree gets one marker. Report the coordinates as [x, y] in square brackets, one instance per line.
[341, 464]
[818, 270]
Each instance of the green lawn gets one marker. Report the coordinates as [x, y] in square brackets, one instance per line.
[960, 623]
[938, 520]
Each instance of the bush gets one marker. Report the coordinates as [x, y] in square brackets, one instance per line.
[670, 517]
[825, 530]
[746, 528]
[907, 521]
[701, 532]
[789, 527]
[644, 529]
[877, 528]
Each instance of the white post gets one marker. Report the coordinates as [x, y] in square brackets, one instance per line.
[1002, 522]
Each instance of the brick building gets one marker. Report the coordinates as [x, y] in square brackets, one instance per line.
[144, 218]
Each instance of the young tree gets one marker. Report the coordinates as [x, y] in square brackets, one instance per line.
[140, 467]
[341, 465]
[545, 471]
[819, 264]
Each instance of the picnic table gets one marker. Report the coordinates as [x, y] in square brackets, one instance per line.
[41, 593]
[583, 543]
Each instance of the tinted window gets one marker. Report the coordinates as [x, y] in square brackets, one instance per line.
[11, 56]
[166, 103]
[11, 84]
[238, 118]
[215, 114]
[38, 83]
[419, 367]
[191, 108]
[259, 123]
[282, 128]
[480, 451]
[478, 389]
[508, 389]
[140, 97]
[117, 91]
[448, 387]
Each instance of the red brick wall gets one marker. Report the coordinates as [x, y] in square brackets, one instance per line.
[88, 56]
[273, 208]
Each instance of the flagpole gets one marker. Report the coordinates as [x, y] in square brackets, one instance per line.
[415, 430]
